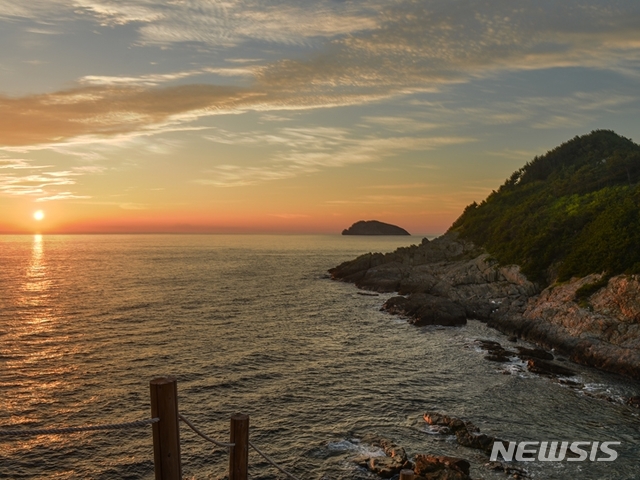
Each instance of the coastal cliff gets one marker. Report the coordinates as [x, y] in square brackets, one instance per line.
[551, 257]
[447, 280]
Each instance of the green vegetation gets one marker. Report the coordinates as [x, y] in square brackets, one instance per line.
[588, 289]
[571, 212]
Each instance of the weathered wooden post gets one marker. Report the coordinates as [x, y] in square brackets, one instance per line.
[407, 475]
[239, 453]
[166, 432]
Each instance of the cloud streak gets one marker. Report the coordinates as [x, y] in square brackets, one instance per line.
[368, 53]
[301, 151]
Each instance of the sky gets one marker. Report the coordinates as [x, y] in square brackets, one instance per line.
[276, 116]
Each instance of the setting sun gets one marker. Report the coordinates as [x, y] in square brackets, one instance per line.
[39, 215]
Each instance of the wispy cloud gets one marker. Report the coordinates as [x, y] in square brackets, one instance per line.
[307, 150]
[61, 196]
[40, 184]
[288, 216]
[20, 177]
[369, 52]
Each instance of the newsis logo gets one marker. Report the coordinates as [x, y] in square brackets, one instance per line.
[549, 451]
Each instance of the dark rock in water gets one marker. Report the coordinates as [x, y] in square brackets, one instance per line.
[497, 358]
[542, 367]
[432, 467]
[385, 467]
[496, 352]
[475, 440]
[634, 401]
[526, 353]
[425, 309]
[374, 227]
[516, 472]
[467, 434]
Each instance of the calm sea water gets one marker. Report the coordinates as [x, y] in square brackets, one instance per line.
[252, 324]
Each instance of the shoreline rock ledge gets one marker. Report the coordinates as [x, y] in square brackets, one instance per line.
[447, 280]
[374, 227]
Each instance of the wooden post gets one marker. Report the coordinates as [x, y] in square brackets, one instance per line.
[407, 475]
[166, 432]
[239, 454]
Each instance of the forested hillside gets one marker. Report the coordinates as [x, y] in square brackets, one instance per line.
[570, 212]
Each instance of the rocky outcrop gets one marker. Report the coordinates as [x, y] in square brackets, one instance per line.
[447, 280]
[387, 466]
[467, 434]
[441, 282]
[426, 467]
[602, 330]
[374, 227]
[440, 467]
[424, 309]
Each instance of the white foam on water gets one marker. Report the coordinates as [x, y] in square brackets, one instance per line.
[354, 445]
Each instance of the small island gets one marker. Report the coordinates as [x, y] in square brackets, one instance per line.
[374, 227]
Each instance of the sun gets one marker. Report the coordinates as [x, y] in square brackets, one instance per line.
[39, 215]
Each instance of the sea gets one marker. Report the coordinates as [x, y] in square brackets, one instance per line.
[253, 324]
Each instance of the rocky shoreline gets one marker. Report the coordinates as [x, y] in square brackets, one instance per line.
[436, 467]
[447, 280]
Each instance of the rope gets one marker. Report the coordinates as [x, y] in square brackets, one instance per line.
[272, 462]
[221, 444]
[195, 429]
[50, 431]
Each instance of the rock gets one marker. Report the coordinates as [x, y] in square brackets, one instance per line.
[424, 309]
[527, 353]
[467, 434]
[507, 469]
[496, 351]
[542, 367]
[374, 227]
[388, 466]
[385, 467]
[431, 467]
[497, 358]
[383, 278]
[453, 423]
[475, 440]
[602, 331]
[634, 401]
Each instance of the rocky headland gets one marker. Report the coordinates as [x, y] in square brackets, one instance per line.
[449, 279]
[374, 227]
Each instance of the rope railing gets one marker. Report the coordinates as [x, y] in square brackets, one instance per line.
[228, 445]
[209, 439]
[166, 434]
[266, 457]
[86, 428]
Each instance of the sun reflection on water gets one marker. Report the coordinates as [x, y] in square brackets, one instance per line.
[36, 282]
[33, 347]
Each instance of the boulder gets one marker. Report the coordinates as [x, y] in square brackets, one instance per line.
[543, 367]
[389, 465]
[527, 353]
[467, 434]
[479, 441]
[425, 309]
[432, 467]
